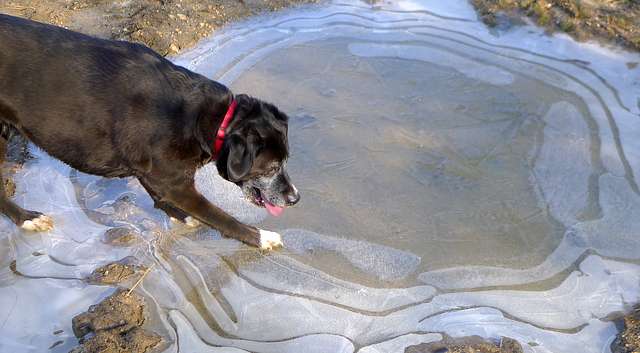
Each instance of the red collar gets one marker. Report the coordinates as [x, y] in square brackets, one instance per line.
[217, 145]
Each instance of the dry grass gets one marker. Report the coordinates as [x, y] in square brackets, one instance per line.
[614, 21]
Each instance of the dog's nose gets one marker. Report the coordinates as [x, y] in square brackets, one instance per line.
[293, 197]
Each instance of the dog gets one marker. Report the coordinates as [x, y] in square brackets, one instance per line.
[119, 109]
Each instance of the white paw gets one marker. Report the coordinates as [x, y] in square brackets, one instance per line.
[269, 240]
[189, 222]
[192, 222]
[40, 224]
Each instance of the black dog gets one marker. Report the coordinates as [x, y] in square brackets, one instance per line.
[118, 109]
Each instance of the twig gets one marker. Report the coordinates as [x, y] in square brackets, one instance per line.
[140, 279]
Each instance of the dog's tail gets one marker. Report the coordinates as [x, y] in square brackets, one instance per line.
[7, 131]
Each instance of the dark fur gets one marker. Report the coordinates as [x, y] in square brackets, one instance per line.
[118, 109]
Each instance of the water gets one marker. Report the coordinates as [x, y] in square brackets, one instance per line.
[455, 180]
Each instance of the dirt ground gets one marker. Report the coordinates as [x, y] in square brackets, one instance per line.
[166, 26]
[117, 272]
[467, 345]
[616, 21]
[628, 341]
[16, 156]
[114, 326]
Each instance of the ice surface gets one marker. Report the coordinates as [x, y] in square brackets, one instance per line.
[472, 69]
[32, 310]
[454, 181]
[383, 262]
[488, 322]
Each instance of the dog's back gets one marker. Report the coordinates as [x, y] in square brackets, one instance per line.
[86, 101]
[118, 109]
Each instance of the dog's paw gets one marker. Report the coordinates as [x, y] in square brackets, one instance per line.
[192, 222]
[40, 223]
[270, 240]
[189, 222]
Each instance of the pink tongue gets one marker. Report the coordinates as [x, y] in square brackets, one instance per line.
[273, 209]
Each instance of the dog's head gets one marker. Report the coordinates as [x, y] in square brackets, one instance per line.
[254, 155]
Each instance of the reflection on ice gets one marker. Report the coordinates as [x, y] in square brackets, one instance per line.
[455, 182]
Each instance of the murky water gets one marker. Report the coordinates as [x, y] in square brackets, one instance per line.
[454, 180]
[413, 155]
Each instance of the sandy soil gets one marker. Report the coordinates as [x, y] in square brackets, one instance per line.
[114, 326]
[121, 236]
[467, 345]
[118, 272]
[612, 21]
[17, 155]
[9, 187]
[166, 26]
[628, 341]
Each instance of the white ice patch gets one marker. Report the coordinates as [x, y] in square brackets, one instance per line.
[565, 130]
[282, 273]
[32, 310]
[380, 261]
[602, 287]
[488, 322]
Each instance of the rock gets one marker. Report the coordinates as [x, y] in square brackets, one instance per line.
[114, 326]
[134, 341]
[117, 313]
[467, 345]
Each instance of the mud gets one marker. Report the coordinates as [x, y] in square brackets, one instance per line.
[467, 345]
[628, 340]
[121, 236]
[117, 272]
[114, 326]
[613, 21]
[15, 158]
[9, 187]
[165, 26]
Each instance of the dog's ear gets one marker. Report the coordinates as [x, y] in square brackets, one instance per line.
[240, 158]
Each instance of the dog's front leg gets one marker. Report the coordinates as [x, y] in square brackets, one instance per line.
[189, 200]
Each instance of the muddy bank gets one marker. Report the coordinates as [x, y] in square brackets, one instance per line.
[9, 187]
[628, 340]
[467, 345]
[613, 21]
[114, 326]
[119, 272]
[15, 157]
[165, 26]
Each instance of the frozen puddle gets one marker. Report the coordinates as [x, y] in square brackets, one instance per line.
[455, 181]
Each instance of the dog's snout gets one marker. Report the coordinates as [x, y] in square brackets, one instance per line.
[292, 197]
